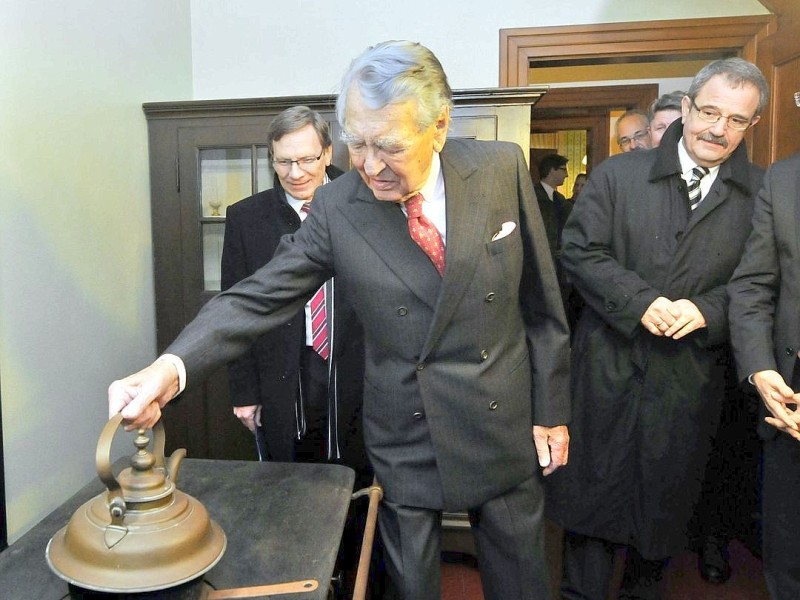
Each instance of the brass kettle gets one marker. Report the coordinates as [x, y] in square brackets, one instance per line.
[142, 534]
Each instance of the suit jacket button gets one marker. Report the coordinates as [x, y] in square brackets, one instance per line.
[789, 351]
[420, 366]
[484, 354]
[402, 311]
[493, 405]
[418, 416]
[611, 305]
[489, 297]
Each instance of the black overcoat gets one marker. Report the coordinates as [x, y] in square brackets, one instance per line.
[269, 373]
[644, 407]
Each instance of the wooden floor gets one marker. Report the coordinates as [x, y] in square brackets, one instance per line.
[461, 581]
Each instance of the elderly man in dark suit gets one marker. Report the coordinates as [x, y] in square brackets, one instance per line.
[441, 247]
[307, 402]
[650, 246]
[765, 333]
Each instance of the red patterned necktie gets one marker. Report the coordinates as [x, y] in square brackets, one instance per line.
[424, 233]
[319, 315]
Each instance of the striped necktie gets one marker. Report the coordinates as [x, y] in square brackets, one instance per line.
[694, 186]
[424, 233]
[319, 315]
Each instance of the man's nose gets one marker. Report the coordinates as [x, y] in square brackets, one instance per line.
[373, 164]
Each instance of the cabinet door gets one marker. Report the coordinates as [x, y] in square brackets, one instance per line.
[217, 166]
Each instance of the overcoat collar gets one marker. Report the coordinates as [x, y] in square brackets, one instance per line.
[734, 171]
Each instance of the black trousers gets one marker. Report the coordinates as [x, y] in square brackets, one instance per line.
[781, 519]
[509, 538]
[312, 445]
[589, 567]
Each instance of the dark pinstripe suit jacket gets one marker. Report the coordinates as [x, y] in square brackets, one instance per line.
[457, 368]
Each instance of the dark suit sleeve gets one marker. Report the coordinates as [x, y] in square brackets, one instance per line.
[543, 311]
[753, 291]
[243, 373]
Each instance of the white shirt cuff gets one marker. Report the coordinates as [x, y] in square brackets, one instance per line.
[176, 362]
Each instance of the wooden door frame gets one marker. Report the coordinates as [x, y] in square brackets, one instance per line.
[588, 108]
[656, 39]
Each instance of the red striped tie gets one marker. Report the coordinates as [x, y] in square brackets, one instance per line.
[319, 315]
[424, 233]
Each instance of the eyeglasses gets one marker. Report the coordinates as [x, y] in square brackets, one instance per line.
[304, 163]
[624, 142]
[710, 115]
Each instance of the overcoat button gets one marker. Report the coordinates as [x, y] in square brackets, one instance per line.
[493, 405]
[789, 351]
[489, 297]
[420, 366]
[611, 305]
[402, 311]
[484, 355]
[418, 416]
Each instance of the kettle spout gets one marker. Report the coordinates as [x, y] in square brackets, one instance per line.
[174, 463]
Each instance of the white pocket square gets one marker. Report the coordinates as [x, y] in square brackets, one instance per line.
[505, 229]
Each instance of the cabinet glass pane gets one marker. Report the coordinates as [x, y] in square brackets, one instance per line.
[226, 176]
[213, 236]
[264, 172]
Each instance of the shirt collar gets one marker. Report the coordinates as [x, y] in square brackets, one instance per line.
[549, 189]
[687, 164]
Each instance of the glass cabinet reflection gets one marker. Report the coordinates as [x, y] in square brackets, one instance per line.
[227, 175]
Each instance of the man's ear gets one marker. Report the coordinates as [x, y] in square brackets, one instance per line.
[441, 126]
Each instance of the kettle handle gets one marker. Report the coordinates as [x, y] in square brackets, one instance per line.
[102, 461]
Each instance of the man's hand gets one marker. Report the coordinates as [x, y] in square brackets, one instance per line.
[141, 396]
[552, 446]
[250, 416]
[776, 395]
[677, 319]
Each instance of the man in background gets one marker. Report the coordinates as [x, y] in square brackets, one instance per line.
[663, 111]
[307, 401]
[440, 245]
[555, 209]
[633, 131]
[651, 247]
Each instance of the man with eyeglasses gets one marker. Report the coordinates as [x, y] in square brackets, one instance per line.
[633, 131]
[650, 246]
[282, 386]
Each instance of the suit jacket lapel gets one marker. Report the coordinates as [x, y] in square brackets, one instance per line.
[466, 222]
[385, 228]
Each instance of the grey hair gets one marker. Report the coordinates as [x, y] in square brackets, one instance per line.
[396, 71]
[738, 72]
[295, 118]
[670, 101]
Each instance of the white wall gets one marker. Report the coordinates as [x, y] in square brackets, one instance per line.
[76, 289]
[251, 48]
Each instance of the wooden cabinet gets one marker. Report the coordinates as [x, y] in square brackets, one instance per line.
[205, 155]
